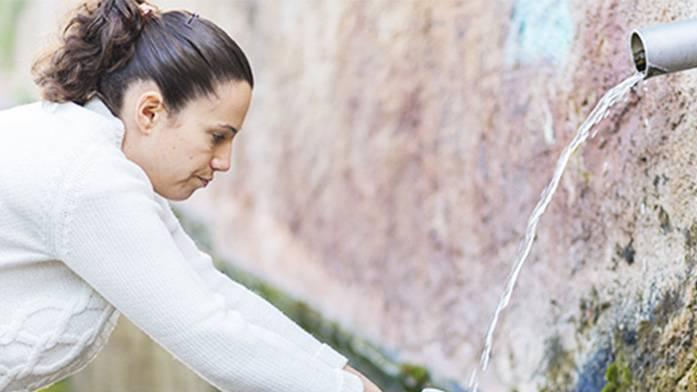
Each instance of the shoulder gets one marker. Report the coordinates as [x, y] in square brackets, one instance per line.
[20, 110]
[103, 188]
[107, 170]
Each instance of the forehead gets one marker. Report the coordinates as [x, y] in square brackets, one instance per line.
[228, 105]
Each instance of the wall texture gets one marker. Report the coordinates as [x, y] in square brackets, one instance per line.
[396, 147]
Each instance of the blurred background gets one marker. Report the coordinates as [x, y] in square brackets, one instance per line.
[383, 179]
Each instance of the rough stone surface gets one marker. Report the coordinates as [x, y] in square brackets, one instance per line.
[395, 149]
[388, 168]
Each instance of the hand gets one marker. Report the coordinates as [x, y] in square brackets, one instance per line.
[367, 384]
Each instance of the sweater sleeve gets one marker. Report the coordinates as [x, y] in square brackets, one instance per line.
[256, 309]
[109, 232]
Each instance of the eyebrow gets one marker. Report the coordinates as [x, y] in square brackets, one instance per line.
[229, 128]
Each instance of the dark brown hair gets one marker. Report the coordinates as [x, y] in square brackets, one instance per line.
[109, 44]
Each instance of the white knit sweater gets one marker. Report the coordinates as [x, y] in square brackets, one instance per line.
[84, 238]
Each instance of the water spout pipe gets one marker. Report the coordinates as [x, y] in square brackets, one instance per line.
[665, 48]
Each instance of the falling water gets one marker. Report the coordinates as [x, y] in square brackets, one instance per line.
[600, 111]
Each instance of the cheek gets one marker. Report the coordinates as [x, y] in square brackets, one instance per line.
[182, 155]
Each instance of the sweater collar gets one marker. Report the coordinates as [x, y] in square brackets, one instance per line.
[113, 125]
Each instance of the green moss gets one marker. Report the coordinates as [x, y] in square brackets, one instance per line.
[660, 356]
[414, 377]
[559, 366]
[618, 377]
[657, 352]
[61, 386]
[366, 357]
[590, 310]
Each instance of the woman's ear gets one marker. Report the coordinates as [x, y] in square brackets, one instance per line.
[150, 110]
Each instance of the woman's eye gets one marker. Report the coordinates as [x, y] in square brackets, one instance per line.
[218, 138]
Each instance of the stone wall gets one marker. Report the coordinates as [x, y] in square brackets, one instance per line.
[396, 147]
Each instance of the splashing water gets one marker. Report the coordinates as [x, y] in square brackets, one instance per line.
[600, 111]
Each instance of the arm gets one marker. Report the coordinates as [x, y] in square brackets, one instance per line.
[109, 232]
[256, 309]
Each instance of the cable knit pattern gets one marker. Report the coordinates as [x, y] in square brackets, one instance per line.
[75, 345]
[85, 238]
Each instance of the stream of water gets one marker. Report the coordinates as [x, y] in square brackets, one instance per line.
[601, 110]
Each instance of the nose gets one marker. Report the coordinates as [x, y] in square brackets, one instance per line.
[221, 159]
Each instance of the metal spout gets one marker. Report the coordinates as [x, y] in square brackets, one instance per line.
[665, 48]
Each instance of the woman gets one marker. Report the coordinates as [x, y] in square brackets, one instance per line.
[139, 107]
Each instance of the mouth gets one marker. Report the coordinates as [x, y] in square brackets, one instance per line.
[204, 181]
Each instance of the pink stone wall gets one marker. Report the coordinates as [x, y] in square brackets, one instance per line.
[396, 148]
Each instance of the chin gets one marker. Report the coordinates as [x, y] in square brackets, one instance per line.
[183, 196]
[176, 196]
[179, 198]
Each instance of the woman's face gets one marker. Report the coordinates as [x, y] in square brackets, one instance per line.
[181, 152]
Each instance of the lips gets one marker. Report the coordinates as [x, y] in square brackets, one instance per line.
[204, 181]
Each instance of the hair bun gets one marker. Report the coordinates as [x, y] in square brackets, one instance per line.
[97, 40]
